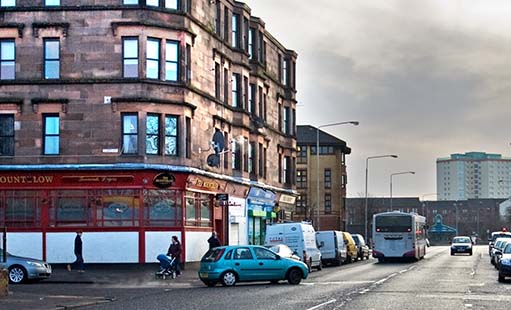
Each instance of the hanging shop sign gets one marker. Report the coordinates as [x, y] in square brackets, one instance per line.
[203, 184]
[164, 180]
[259, 196]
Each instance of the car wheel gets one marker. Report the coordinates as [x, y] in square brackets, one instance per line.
[294, 276]
[349, 260]
[228, 278]
[501, 278]
[17, 274]
[320, 266]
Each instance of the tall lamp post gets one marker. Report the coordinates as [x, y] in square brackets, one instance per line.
[355, 123]
[365, 204]
[393, 174]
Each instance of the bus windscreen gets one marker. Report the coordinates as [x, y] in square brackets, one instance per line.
[393, 224]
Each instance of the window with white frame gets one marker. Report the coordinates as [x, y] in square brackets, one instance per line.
[235, 30]
[235, 90]
[7, 59]
[51, 134]
[51, 58]
[130, 57]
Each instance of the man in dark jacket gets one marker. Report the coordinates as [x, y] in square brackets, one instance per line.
[213, 241]
[78, 253]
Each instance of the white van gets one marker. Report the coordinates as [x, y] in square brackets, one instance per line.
[332, 247]
[300, 237]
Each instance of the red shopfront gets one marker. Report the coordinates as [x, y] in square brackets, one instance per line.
[126, 210]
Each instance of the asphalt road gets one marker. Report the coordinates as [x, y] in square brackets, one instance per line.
[440, 281]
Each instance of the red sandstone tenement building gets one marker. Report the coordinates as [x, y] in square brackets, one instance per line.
[113, 120]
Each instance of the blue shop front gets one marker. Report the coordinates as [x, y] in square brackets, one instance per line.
[260, 204]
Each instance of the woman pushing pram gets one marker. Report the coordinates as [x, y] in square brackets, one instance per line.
[171, 262]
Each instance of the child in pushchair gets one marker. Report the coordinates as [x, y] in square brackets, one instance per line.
[168, 266]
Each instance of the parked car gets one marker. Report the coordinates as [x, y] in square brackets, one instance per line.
[362, 247]
[22, 269]
[231, 264]
[461, 244]
[332, 247]
[498, 253]
[494, 236]
[283, 250]
[500, 244]
[505, 264]
[300, 237]
[351, 247]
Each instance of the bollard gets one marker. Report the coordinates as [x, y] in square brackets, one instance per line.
[4, 283]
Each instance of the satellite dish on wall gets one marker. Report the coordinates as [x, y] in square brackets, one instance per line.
[218, 141]
[213, 160]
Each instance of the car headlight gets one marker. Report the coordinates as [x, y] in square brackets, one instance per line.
[506, 261]
[35, 264]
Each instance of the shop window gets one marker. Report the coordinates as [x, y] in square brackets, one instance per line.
[6, 135]
[7, 59]
[163, 208]
[20, 209]
[130, 57]
[69, 208]
[129, 133]
[51, 134]
[198, 210]
[116, 208]
[51, 58]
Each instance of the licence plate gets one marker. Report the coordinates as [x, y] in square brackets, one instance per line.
[203, 274]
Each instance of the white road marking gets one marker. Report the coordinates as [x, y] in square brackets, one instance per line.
[323, 304]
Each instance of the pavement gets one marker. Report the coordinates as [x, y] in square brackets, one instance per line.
[72, 289]
[119, 273]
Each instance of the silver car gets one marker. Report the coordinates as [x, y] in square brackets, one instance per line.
[22, 269]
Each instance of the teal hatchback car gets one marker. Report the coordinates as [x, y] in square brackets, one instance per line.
[244, 263]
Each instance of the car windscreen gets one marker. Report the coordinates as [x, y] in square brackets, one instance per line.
[393, 223]
[461, 240]
[507, 249]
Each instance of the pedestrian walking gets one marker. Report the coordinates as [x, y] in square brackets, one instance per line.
[213, 241]
[175, 252]
[78, 263]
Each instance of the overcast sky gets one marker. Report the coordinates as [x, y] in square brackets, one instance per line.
[425, 78]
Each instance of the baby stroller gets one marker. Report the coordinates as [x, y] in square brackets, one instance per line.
[167, 267]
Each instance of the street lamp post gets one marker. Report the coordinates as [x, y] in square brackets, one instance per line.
[393, 174]
[366, 198]
[355, 123]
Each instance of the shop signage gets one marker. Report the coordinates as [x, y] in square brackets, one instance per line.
[287, 199]
[26, 179]
[204, 184]
[98, 179]
[259, 196]
[222, 197]
[164, 180]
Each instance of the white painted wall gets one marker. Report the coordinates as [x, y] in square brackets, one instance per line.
[238, 216]
[98, 247]
[25, 244]
[158, 242]
[196, 245]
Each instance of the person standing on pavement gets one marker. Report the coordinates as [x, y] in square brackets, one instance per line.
[175, 252]
[213, 241]
[78, 253]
